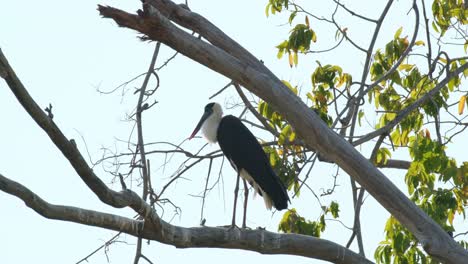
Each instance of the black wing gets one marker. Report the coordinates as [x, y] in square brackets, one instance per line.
[240, 145]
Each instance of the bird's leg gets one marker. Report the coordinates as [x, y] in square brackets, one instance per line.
[236, 191]
[246, 196]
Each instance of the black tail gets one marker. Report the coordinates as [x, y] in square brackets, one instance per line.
[278, 194]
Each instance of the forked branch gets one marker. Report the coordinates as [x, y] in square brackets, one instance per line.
[308, 126]
[260, 241]
[152, 226]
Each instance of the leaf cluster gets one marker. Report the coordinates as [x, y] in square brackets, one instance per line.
[292, 222]
[394, 84]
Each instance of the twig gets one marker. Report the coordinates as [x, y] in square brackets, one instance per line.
[220, 91]
[254, 112]
[205, 190]
[108, 242]
[354, 13]
[403, 55]
[405, 112]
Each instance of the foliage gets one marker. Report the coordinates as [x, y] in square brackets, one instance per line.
[447, 14]
[292, 222]
[395, 83]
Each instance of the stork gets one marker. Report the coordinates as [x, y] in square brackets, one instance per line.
[246, 156]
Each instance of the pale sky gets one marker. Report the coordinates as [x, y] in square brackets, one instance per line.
[64, 52]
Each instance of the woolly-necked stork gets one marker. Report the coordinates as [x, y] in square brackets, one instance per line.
[246, 156]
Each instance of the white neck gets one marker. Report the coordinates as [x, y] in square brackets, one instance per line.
[210, 127]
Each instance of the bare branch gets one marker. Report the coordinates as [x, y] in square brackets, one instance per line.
[254, 111]
[212, 237]
[354, 13]
[99, 248]
[307, 125]
[220, 91]
[69, 148]
[139, 111]
[69, 213]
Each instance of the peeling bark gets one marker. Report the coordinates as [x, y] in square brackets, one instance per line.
[155, 26]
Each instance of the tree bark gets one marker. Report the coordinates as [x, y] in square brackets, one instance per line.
[260, 241]
[220, 58]
[152, 227]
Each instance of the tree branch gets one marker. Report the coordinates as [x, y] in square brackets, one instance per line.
[141, 144]
[395, 164]
[306, 123]
[69, 148]
[403, 55]
[153, 227]
[405, 112]
[259, 240]
[69, 213]
[252, 109]
[181, 15]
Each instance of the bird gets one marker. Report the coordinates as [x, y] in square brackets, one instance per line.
[246, 156]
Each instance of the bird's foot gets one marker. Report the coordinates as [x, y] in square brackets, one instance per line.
[202, 222]
[232, 227]
[244, 226]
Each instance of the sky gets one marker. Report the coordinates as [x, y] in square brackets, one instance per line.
[65, 53]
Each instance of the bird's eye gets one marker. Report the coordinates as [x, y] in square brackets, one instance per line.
[209, 107]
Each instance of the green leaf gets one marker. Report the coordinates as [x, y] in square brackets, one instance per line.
[292, 16]
[419, 43]
[288, 84]
[292, 136]
[314, 36]
[405, 67]
[284, 134]
[377, 99]
[280, 53]
[337, 34]
[334, 209]
[267, 9]
[273, 159]
[435, 27]
[292, 222]
[360, 116]
[398, 33]
[396, 137]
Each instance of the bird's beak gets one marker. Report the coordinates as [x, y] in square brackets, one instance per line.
[200, 123]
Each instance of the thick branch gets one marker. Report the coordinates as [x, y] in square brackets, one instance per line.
[69, 148]
[395, 164]
[181, 15]
[153, 227]
[211, 237]
[306, 123]
[69, 213]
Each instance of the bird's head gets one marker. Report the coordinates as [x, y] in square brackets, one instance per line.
[211, 118]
